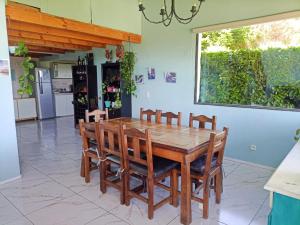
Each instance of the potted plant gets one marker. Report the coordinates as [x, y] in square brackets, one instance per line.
[127, 68]
[107, 102]
[118, 103]
[26, 80]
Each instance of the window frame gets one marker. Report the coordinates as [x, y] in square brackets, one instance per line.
[234, 24]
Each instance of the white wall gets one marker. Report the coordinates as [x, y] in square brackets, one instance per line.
[173, 49]
[9, 159]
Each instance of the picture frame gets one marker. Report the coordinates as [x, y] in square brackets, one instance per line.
[170, 77]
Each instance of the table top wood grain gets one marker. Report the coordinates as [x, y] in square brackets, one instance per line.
[183, 139]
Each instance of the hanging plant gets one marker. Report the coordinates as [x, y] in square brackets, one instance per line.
[127, 68]
[26, 79]
[297, 137]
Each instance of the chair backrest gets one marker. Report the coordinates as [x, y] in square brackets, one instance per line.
[138, 141]
[109, 141]
[87, 132]
[216, 148]
[170, 116]
[150, 113]
[97, 114]
[202, 120]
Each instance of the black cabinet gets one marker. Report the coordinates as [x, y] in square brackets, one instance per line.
[85, 90]
[114, 97]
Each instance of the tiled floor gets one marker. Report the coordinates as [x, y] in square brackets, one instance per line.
[51, 192]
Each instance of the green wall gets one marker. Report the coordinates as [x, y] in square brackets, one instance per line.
[9, 159]
[173, 49]
[117, 14]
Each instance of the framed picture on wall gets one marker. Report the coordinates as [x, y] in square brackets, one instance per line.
[139, 79]
[4, 70]
[170, 77]
[151, 73]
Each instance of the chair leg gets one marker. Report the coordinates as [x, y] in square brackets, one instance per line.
[122, 190]
[103, 175]
[174, 188]
[82, 173]
[218, 187]
[206, 199]
[126, 188]
[87, 169]
[150, 187]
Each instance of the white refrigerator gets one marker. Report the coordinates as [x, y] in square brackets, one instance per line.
[44, 94]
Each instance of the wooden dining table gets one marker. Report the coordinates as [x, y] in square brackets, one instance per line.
[178, 143]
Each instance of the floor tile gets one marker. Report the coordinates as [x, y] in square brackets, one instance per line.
[71, 211]
[8, 213]
[107, 219]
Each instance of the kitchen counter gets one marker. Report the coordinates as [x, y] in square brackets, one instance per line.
[286, 178]
[63, 93]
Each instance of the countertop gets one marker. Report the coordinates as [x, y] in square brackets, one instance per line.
[286, 178]
[63, 93]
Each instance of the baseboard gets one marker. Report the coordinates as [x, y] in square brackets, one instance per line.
[10, 180]
[249, 163]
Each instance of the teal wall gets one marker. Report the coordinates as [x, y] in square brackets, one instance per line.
[117, 14]
[173, 49]
[9, 159]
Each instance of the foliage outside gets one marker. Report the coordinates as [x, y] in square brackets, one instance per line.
[127, 68]
[238, 66]
[26, 79]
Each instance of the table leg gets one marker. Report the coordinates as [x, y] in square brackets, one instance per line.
[185, 211]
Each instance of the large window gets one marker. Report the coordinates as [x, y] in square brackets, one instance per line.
[257, 65]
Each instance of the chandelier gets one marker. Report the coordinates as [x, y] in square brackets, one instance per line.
[166, 16]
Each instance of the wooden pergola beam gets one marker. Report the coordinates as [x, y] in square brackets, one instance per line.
[38, 29]
[34, 42]
[21, 13]
[39, 49]
[49, 37]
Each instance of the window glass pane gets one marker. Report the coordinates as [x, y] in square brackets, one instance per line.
[256, 65]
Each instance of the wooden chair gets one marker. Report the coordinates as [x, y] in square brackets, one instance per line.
[170, 116]
[109, 137]
[207, 167]
[202, 120]
[150, 113]
[154, 169]
[97, 114]
[89, 151]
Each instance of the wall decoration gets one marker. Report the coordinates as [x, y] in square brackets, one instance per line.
[139, 79]
[4, 70]
[170, 77]
[151, 73]
[108, 55]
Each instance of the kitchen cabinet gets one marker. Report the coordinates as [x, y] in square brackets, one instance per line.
[63, 104]
[16, 109]
[62, 70]
[25, 108]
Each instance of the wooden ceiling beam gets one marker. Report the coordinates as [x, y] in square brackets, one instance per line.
[21, 13]
[28, 41]
[21, 26]
[49, 37]
[39, 49]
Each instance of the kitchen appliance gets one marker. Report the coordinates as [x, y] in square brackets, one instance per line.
[44, 94]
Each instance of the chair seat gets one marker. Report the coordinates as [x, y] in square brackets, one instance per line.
[114, 158]
[198, 166]
[160, 166]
